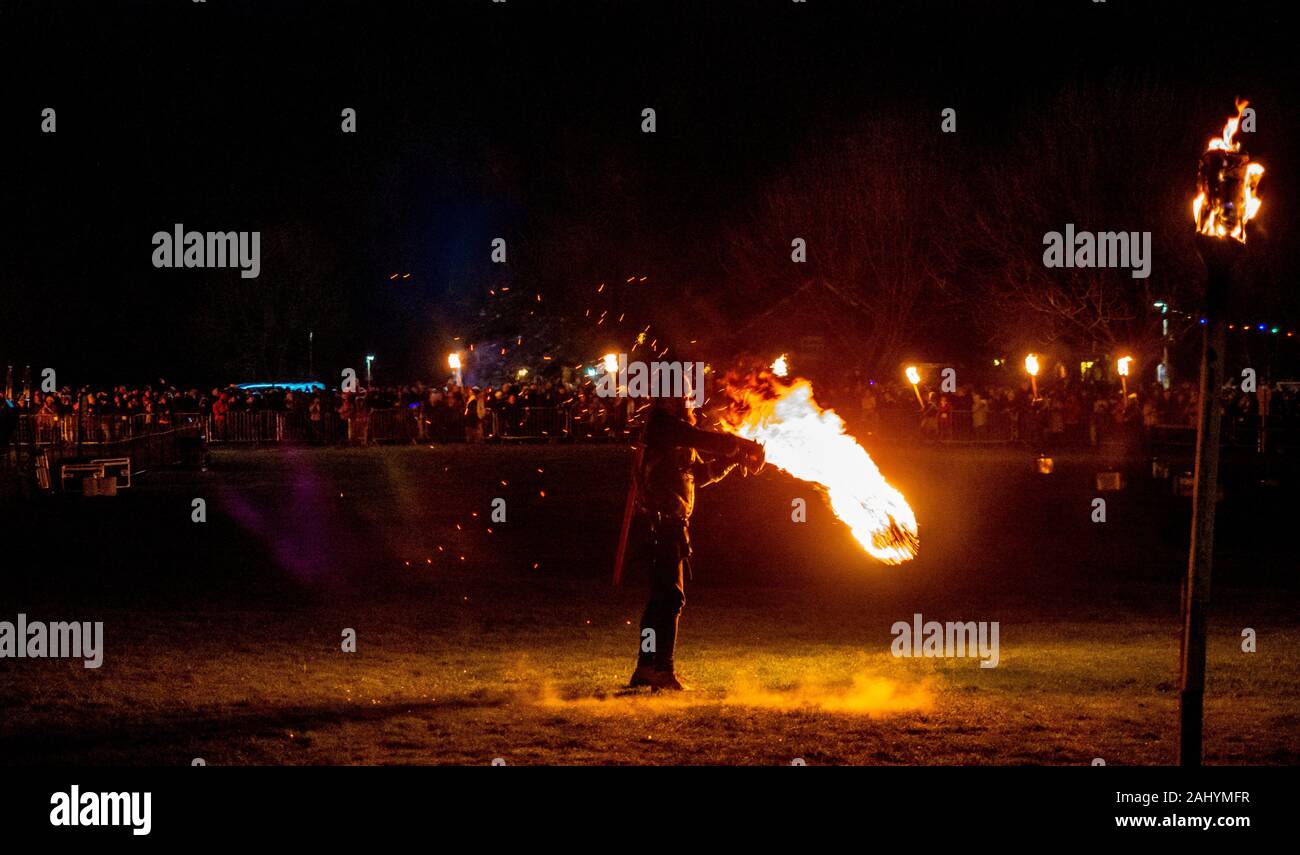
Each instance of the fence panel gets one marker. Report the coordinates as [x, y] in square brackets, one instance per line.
[247, 426]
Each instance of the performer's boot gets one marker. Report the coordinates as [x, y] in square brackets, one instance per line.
[642, 676]
[645, 659]
[666, 681]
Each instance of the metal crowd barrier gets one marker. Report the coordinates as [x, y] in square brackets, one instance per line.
[149, 440]
[998, 426]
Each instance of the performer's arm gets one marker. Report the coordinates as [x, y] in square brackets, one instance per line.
[663, 429]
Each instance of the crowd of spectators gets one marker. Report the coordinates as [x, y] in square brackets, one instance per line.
[376, 413]
[1062, 414]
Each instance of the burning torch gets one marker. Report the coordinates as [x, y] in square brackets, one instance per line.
[1122, 364]
[453, 361]
[1225, 201]
[1031, 365]
[914, 377]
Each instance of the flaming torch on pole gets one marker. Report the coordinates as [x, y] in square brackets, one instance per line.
[1225, 201]
[1031, 366]
[1123, 364]
[453, 362]
[914, 377]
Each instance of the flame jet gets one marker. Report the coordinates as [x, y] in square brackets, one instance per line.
[801, 438]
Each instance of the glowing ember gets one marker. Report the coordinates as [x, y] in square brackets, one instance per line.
[1226, 198]
[801, 438]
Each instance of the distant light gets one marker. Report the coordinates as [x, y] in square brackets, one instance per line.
[913, 376]
[611, 363]
[1261, 327]
[521, 373]
[1031, 365]
[453, 360]
[591, 372]
[1124, 362]
[1274, 330]
[1202, 321]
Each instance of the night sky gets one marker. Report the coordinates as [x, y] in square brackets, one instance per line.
[478, 120]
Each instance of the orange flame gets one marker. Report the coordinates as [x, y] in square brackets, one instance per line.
[801, 438]
[1226, 214]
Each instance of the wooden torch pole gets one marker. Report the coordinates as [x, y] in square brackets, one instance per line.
[1219, 255]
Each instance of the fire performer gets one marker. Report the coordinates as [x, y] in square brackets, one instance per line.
[676, 458]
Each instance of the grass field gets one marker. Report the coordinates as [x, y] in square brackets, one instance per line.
[223, 638]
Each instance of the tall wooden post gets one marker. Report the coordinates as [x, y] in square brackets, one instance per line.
[1219, 256]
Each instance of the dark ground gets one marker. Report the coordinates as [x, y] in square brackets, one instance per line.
[223, 638]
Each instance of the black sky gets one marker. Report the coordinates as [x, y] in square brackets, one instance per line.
[225, 115]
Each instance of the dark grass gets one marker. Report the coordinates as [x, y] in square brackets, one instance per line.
[223, 637]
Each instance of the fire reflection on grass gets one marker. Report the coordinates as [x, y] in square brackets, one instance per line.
[867, 694]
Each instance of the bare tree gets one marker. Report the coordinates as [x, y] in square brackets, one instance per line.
[1113, 158]
[871, 208]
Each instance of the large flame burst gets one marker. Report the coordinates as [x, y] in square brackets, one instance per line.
[1226, 199]
[801, 438]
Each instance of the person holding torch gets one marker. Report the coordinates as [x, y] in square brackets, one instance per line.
[675, 459]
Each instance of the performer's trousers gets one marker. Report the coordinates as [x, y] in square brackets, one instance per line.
[666, 566]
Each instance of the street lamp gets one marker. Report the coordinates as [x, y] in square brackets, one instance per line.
[1162, 370]
[1031, 365]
